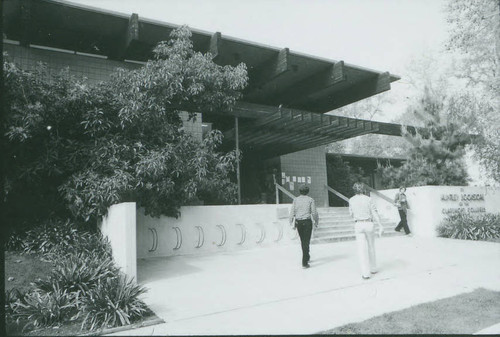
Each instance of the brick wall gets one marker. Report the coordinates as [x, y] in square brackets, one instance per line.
[307, 163]
[192, 126]
[94, 68]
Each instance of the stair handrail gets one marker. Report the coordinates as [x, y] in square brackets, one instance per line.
[337, 193]
[278, 187]
[284, 190]
[380, 195]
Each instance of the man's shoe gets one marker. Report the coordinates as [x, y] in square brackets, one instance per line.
[397, 230]
[374, 272]
[306, 266]
[366, 277]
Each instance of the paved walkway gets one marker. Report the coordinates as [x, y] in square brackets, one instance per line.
[265, 291]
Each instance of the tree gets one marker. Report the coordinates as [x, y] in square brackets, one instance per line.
[341, 177]
[74, 149]
[373, 145]
[475, 36]
[436, 157]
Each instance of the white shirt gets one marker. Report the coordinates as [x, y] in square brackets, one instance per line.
[361, 208]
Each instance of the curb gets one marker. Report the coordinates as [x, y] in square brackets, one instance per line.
[101, 332]
[491, 330]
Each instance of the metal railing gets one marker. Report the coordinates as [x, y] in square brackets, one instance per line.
[284, 190]
[278, 187]
[380, 195]
[338, 194]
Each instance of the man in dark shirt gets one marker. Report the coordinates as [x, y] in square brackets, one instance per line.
[302, 216]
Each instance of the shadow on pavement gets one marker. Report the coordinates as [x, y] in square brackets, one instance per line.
[161, 268]
[328, 259]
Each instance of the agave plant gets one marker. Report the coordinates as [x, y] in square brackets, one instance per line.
[465, 226]
[40, 308]
[78, 273]
[114, 302]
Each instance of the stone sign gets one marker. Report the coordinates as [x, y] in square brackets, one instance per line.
[469, 202]
[429, 205]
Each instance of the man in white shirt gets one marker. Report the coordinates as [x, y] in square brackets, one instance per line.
[302, 216]
[364, 213]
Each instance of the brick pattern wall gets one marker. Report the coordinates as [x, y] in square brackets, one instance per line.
[192, 126]
[307, 163]
[94, 68]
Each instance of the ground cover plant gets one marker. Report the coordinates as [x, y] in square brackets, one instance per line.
[469, 226]
[462, 314]
[78, 288]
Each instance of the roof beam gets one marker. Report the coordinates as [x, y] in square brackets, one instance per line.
[302, 144]
[132, 30]
[298, 132]
[296, 121]
[248, 110]
[269, 70]
[356, 92]
[315, 85]
[215, 45]
[130, 37]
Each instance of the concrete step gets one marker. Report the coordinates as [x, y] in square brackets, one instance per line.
[341, 231]
[333, 233]
[347, 237]
[328, 224]
[336, 223]
[334, 217]
[344, 213]
[333, 210]
[387, 227]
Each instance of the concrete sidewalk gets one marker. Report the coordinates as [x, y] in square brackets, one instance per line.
[265, 291]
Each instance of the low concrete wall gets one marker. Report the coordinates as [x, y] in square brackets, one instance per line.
[206, 229]
[429, 205]
[119, 226]
[199, 230]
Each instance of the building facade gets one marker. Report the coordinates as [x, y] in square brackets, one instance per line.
[283, 125]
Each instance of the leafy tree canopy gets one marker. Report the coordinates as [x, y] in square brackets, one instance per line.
[436, 155]
[341, 177]
[475, 35]
[74, 149]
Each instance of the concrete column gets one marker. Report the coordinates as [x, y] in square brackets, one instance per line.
[119, 226]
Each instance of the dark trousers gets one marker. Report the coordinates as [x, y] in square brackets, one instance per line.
[304, 227]
[403, 223]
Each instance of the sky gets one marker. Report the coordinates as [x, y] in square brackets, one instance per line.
[385, 35]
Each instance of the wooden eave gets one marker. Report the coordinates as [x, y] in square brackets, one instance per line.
[277, 76]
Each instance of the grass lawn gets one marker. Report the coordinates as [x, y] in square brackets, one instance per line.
[25, 269]
[462, 314]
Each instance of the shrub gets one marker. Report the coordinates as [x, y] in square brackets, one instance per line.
[74, 148]
[83, 282]
[45, 238]
[11, 297]
[341, 177]
[465, 226]
[54, 238]
[14, 243]
[40, 308]
[78, 273]
[114, 302]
